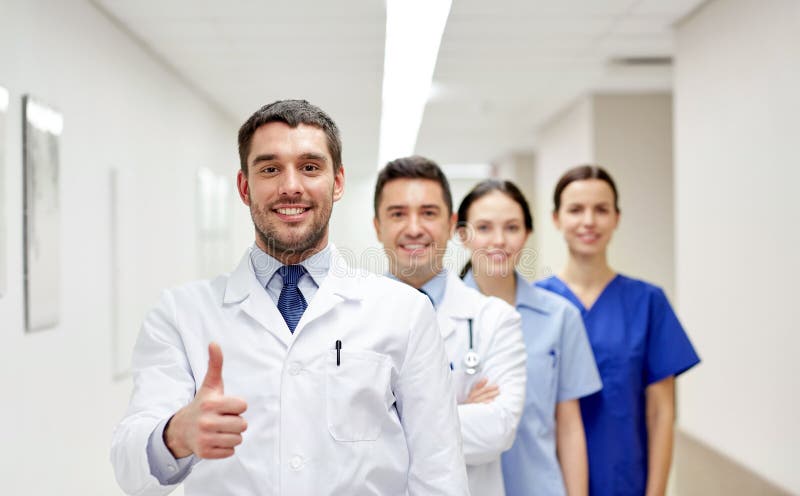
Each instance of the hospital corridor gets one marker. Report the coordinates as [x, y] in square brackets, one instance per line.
[637, 158]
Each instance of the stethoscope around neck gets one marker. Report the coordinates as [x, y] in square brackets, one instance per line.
[472, 361]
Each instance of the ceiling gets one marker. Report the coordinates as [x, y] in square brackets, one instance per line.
[504, 67]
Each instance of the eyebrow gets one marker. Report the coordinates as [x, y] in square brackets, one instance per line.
[581, 204]
[405, 207]
[501, 221]
[268, 157]
[314, 156]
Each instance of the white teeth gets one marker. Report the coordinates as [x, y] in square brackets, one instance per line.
[414, 247]
[291, 211]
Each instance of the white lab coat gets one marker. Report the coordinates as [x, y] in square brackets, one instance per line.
[383, 422]
[487, 429]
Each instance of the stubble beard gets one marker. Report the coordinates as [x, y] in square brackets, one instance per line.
[299, 243]
[414, 270]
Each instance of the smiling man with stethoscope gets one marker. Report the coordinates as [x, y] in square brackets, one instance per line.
[414, 219]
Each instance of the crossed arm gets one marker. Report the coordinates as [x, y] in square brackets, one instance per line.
[493, 409]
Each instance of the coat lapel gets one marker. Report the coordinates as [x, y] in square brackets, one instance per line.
[340, 284]
[244, 290]
[456, 306]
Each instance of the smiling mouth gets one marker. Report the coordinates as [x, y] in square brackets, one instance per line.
[291, 211]
[496, 255]
[414, 248]
[292, 215]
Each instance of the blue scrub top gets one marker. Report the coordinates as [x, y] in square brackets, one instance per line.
[637, 340]
[560, 367]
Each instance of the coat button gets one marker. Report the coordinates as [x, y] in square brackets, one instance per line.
[296, 462]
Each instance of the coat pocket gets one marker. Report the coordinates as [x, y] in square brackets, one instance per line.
[359, 395]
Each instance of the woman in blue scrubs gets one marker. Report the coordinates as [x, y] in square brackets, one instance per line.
[638, 342]
[548, 457]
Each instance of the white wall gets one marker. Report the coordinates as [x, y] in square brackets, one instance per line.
[3, 242]
[351, 228]
[737, 167]
[630, 135]
[633, 141]
[123, 110]
[564, 141]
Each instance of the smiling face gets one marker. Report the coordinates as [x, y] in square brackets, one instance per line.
[414, 225]
[587, 217]
[290, 188]
[495, 234]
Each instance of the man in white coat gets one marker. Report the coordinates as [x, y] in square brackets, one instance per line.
[335, 381]
[414, 219]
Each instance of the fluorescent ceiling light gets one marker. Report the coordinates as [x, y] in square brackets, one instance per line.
[413, 34]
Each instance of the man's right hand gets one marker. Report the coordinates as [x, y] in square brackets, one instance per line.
[211, 425]
[482, 392]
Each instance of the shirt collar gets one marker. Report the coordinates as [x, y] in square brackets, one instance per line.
[265, 266]
[529, 296]
[434, 288]
[526, 294]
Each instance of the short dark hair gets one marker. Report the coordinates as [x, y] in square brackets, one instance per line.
[414, 167]
[582, 173]
[487, 186]
[292, 113]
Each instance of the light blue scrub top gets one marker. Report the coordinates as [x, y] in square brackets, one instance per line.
[637, 340]
[560, 367]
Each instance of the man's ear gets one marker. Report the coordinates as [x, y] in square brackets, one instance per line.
[461, 232]
[377, 225]
[453, 219]
[338, 184]
[243, 187]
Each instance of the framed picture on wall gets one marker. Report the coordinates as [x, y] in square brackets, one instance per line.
[41, 132]
[214, 221]
[3, 222]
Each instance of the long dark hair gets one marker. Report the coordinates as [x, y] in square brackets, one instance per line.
[581, 173]
[482, 189]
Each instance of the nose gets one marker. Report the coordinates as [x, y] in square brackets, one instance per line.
[588, 217]
[414, 226]
[498, 238]
[291, 185]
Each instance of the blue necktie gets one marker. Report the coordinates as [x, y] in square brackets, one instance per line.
[291, 303]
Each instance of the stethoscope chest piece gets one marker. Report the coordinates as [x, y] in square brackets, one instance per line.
[471, 359]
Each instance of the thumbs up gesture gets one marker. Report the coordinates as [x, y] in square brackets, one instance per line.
[211, 425]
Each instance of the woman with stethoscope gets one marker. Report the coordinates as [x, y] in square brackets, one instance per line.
[548, 456]
[638, 342]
